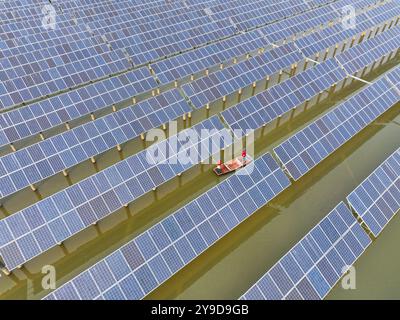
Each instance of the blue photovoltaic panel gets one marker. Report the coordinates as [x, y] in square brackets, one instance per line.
[219, 20]
[249, 15]
[370, 51]
[303, 151]
[268, 105]
[46, 114]
[160, 252]
[224, 82]
[322, 39]
[42, 160]
[316, 263]
[377, 199]
[288, 28]
[394, 78]
[194, 61]
[41, 226]
[25, 41]
[41, 73]
[357, 4]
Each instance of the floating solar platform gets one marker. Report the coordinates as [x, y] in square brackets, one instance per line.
[316, 263]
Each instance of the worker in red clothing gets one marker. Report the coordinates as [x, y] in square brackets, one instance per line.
[219, 164]
[244, 157]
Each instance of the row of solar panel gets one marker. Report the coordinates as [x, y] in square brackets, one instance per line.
[303, 151]
[46, 114]
[143, 264]
[315, 264]
[37, 162]
[366, 53]
[320, 40]
[208, 89]
[377, 199]
[268, 105]
[41, 78]
[35, 229]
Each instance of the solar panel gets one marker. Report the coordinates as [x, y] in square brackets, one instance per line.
[26, 42]
[303, 151]
[320, 40]
[208, 89]
[394, 77]
[316, 263]
[377, 199]
[27, 121]
[288, 28]
[38, 74]
[35, 229]
[186, 64]
[370, 51]
[14, 11]
[248, 16]
[357, 4]
[160, 252]
[189, 63]
[268, 105]
[44, 159]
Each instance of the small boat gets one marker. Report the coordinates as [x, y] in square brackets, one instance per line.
[231, 165]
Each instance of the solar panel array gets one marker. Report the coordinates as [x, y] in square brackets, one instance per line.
[93, 50]
[42, 160]
[224, 82]
[143, 264]
[316, 263]
[46, 114]
[394, 77]
[377, 199]
[186, 64]
[307, 148]
[268, 105]
[366, 53]
[288, 28]
[320, 40]
[37, 228]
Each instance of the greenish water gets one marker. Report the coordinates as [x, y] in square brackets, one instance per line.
[232, 265]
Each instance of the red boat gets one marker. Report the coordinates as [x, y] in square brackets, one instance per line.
[232, 165]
